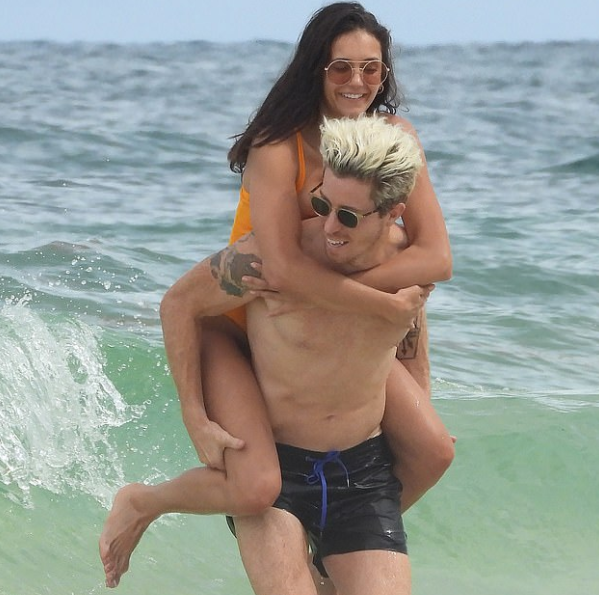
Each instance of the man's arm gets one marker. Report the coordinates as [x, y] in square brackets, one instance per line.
[211, 288]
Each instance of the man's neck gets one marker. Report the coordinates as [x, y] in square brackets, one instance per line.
[376, 255]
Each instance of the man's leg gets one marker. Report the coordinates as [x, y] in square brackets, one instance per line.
[372, 572]
[324, 586]
[273, 548]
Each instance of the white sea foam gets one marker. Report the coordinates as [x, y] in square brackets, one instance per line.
[57, 406]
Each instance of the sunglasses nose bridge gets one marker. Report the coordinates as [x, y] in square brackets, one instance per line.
[330, 215]
[332, 222]
[356, 71]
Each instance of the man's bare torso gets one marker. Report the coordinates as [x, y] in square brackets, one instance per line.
[322, 373]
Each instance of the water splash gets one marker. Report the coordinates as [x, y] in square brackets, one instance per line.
[57, 407]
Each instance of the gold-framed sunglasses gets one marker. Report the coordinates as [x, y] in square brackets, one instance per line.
[346, 216]
[373, 72]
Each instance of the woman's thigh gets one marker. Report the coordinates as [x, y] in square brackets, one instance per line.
[233, 399]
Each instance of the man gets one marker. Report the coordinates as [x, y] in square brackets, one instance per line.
[323, 375]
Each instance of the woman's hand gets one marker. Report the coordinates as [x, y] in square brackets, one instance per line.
[258, 285]
[277, 302]
[409, 302]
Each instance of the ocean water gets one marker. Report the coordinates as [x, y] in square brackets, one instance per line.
[114, 181]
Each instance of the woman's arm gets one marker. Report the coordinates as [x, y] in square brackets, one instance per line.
[270, 178]
[427, 259]
[272, 171]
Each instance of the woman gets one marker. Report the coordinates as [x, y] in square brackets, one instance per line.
[342, 67]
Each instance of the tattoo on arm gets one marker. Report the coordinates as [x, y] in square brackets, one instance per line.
[408, 347]
[228, 267]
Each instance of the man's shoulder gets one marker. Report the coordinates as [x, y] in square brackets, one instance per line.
[246, 243]
[241, 252]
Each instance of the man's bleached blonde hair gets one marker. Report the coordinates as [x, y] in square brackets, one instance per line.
[369, 148]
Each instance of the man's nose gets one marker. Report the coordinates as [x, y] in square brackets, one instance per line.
[332, 223]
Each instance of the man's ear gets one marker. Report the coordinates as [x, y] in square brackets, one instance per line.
[397, 211]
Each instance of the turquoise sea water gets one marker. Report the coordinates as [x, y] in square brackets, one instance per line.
[114, 181]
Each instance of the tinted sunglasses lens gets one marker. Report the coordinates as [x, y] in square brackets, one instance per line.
[374, 73]
[347, 218]
[339, 72]
[321, 207]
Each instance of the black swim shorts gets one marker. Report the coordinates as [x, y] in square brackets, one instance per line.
[346, 501]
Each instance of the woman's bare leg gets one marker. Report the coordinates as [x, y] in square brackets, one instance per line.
[252, 479]
[420, 442]
[234, 400]
[413, 353]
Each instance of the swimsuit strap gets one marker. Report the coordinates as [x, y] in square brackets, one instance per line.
[318, 475]
[301, 163]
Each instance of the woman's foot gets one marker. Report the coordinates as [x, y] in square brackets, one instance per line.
[122, 531]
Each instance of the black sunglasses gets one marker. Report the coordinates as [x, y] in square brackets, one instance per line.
[323, 207]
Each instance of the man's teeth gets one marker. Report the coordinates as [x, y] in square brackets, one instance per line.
[336, 242]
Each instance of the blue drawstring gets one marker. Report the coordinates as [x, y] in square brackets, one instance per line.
[318, 475]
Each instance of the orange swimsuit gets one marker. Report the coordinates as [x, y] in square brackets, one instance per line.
[242, 223]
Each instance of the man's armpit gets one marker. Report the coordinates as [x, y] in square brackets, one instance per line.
[408, 347]
[229, 266]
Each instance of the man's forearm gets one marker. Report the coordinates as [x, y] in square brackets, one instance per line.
[182, 343]
[210, 288]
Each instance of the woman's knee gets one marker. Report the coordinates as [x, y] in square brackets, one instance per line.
[444, 454]
[436, 453]
[258, 492]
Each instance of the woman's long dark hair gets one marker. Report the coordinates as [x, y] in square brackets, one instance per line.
[295, 99]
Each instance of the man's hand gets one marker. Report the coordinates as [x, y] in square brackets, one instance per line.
[210, 442]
